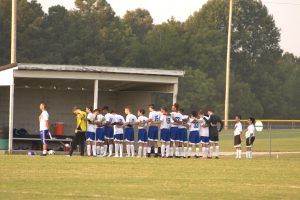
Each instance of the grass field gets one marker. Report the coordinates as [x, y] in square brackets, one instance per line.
[58, 177]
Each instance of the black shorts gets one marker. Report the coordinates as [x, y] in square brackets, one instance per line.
[237, 141]
[249, 142]
[213, 134]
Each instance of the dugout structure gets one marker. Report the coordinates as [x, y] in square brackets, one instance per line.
[24, 86]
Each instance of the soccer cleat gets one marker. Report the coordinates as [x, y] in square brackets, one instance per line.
[148, 155]
[196, 156]
[209, 157]
[43, 154]
[109, 155]
[156, 155]
[116, 156]
[217, 157]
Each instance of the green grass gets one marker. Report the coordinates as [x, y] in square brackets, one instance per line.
[58, 177]
[282, 140]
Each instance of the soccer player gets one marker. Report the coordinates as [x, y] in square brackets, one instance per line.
[44, 127]
[182, 129]
[142, 133]
[250, 137]
[91, 132]
[154, 121]
[238, 132]
[165, 120]
[108, 131]
[100, 135]
[80, 130]
[176, 120]
[214, 132]
[204, 133]
[194, 137]
[118, 123]
[129, 131]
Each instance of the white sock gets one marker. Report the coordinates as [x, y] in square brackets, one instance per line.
[94, 150]
[206, 152]
[177, 151]
[155, 150]
[121, 150]
[190, 151]
[162, 150]
[237, 154]
[149, 150]
[145, 151]
[128, 149]
[102, 150]
[240, 153]
[140, 149]
[247, 154]
[217, 151]
[110, 148]
[250, 154]
[167, 150]
[105, 150]
[203, 152]
[171, 151]
[88, 149]
[211, 148]
[98, 151]
[132, 149]
[184, 151]
[197, 151]
[117, 146]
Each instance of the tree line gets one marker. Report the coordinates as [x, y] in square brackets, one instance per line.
[264, 79]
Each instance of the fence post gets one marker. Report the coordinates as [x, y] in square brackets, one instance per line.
[270, 138]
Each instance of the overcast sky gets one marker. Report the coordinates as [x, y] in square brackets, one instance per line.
[285, 12]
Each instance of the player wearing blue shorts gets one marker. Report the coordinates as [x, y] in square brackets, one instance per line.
[142, 133]
[91, 132]
[194, 137]
[100, 136]
[119, 121]
[182, 128]
[176, 120]
[129, 131]
[108, 131]
[44, 127]
[204, 133]
[154, 121]
[165, 123]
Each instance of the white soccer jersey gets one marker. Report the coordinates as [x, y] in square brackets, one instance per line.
[43, 118]
[109, 118]
[165, 121]
[155, 116]
[177, 116]
[142, 119]
[100, 118]
[184, 119]
[131, 118]
[194, 126]
[204, 129]
[118, 119]
[237, 128]
[250, 130]
[90, 126]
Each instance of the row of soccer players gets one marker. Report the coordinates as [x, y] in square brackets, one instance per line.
[105, 128]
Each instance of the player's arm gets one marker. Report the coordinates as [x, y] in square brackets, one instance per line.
[222, 125]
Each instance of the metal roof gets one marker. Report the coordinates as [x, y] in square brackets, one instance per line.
[99, 69]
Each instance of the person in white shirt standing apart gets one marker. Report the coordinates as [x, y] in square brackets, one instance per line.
[91, 131]
[250, 137]
[44, 127]
[238, 130]
[129, 131]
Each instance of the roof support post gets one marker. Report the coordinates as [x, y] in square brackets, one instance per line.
[175, 92]
[11, 119]
[96, 94]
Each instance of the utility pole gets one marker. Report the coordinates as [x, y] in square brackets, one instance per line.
[13, 50]
[226, 113]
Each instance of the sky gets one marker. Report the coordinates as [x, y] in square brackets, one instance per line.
[286, 14]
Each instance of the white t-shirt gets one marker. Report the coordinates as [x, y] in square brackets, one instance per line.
[155, 116]
[43, 118]
[194, 126]
[90, 126]
[142, 119]
[237, 128]
[109, 118]
[165, 121]
[131, 118]
[100, 118]
[118, 119]
[204, 131]
[184, 119]
[250, 130]
[177, 116]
